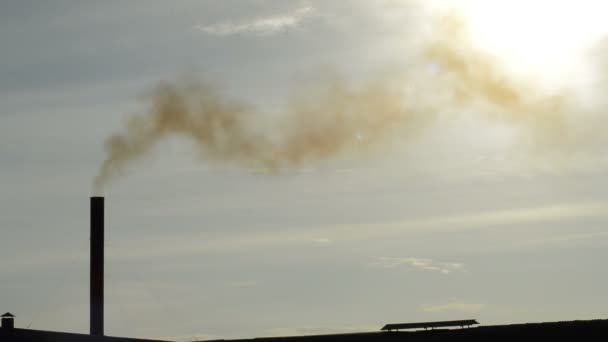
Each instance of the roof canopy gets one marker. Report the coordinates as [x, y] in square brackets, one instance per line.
[427, 325]
[7, 315]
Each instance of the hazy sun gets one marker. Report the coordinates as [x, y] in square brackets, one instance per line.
[544, 36]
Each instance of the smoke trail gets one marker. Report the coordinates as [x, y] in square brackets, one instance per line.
[339, 117]
[477, 79]
[318, 125]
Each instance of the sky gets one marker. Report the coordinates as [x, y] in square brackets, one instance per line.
[466, 206]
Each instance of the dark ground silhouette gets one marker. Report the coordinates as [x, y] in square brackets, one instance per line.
[592, 330]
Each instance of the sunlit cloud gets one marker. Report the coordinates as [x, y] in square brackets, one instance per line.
[322, 241]
[424, 264]
[261, 26]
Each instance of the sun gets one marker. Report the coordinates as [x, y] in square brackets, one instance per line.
[550, 38]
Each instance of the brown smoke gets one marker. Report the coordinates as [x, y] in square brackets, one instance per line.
[477, 79]
[317, 125]
[338, 116]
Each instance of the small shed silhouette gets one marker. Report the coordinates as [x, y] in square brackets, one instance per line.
[8, 321]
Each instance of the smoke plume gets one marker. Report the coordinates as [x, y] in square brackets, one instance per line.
[477, 79]
[339, 116]
[317, 125]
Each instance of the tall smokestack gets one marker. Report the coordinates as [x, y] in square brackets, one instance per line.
[97, 238]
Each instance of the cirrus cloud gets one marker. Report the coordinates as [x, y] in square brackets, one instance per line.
[424, 264]
[261, 25]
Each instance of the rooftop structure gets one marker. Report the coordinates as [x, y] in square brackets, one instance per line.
[431, 325]
[8, 321]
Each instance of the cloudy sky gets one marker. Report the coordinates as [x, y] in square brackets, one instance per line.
[466, 215]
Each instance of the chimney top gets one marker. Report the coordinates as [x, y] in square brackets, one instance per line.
[8, 314]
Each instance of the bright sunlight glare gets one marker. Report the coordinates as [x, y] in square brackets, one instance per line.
[549, 38]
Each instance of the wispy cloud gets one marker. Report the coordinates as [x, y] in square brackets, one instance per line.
[594, 237]
[457, 306]
[195, 243]
[322, 241]
[424, 264]
[261, 26]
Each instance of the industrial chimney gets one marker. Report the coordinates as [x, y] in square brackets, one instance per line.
[97, 242]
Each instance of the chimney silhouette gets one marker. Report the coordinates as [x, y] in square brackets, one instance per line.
[97, 242]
